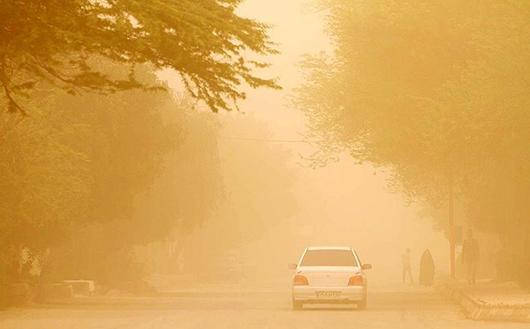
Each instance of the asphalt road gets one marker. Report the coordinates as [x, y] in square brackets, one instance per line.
[387, 309]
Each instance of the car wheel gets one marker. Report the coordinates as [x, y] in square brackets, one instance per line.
[297, 305]
[362, 304]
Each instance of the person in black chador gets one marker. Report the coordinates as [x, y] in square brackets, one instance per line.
[426, 269]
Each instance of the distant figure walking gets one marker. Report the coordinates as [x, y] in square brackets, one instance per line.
[426, 269]
[407, 269]
[470, 257]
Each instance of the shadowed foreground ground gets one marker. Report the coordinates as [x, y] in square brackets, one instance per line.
[387, 309]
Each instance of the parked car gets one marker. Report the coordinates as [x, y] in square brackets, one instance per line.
[329, 275]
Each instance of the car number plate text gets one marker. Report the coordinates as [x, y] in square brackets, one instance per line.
[325, 294]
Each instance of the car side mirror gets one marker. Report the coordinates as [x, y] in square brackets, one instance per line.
[292, 266]
[366, 266]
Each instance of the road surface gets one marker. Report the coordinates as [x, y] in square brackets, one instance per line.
[387, 309]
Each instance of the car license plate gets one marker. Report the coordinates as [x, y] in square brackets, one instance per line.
[327, 294]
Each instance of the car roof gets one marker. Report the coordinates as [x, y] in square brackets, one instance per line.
[328, 248]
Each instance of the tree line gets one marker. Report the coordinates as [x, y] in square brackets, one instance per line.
[87, 127]
[72, 175]
[437, 92]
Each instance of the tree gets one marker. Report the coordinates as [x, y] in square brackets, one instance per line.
[255, 200]
[56, 41]
[434, 91]
[82, 169]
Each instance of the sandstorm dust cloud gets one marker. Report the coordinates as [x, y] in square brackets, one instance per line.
[167, 164]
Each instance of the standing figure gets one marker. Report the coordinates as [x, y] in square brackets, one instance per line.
[470, 257]
[426, 269]
[407, 269]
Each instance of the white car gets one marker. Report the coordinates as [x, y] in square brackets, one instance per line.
[329, 275]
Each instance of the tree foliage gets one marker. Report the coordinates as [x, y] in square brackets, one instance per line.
[55, 41]
[77, 175]
[435, 91]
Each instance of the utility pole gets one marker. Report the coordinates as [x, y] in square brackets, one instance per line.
[452, 230]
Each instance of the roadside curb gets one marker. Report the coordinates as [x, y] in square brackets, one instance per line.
[476, 309]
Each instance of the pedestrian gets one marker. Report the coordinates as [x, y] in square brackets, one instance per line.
[470, 257]
[426, 269]
[407, 269]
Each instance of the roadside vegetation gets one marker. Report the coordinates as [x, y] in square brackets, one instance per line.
[86, 128]
[436, 92]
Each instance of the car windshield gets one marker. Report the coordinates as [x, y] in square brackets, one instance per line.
[329, 258]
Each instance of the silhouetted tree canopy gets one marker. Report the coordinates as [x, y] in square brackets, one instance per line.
[205, 41]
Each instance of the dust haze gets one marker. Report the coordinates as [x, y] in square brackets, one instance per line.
[174, 161]
[323, 206]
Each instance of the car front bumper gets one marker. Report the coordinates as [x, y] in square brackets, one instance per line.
[324, 295]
